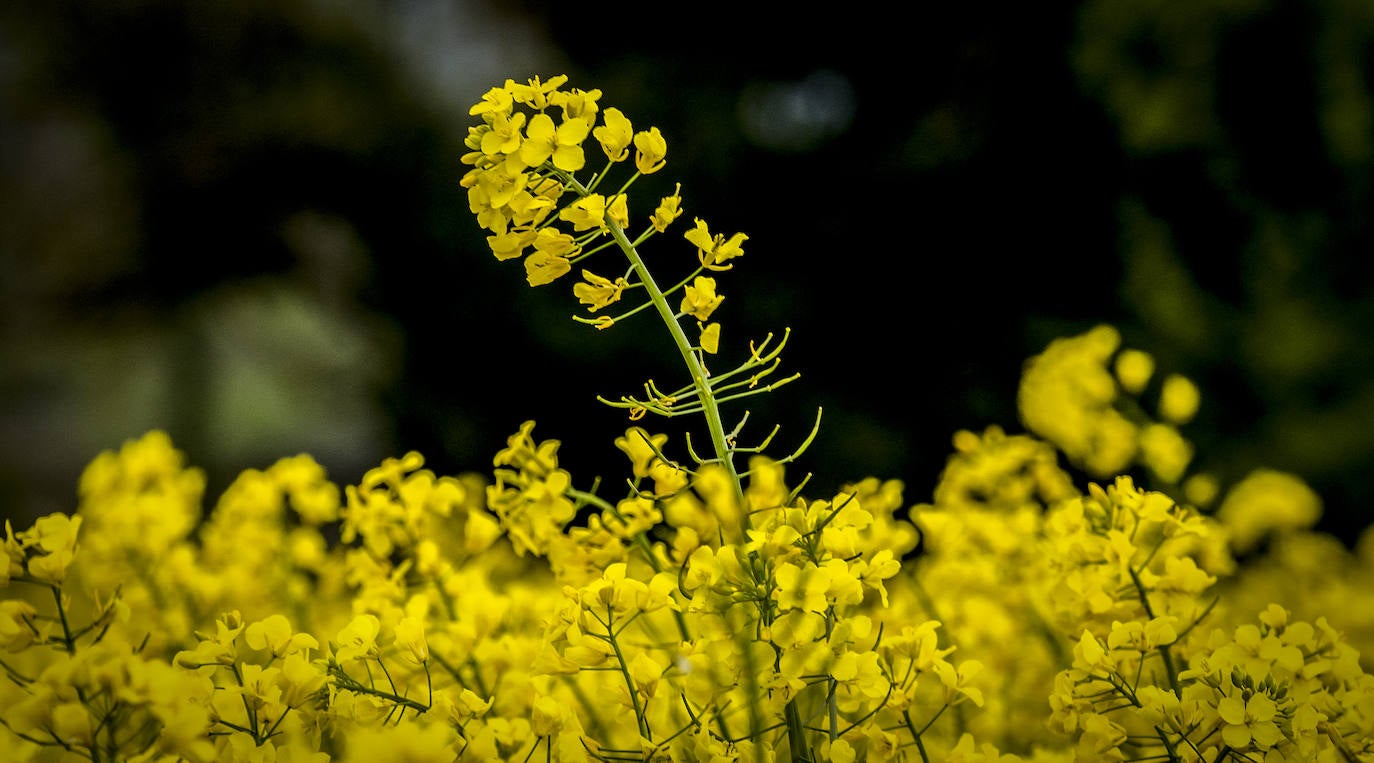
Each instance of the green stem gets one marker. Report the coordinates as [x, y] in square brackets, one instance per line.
[710, 409]
[831, 701]
[796, 736]
[706, 396]
[1163, 649]
[68, 640]
[348, 683]
[915, 735]
[248, 710]
[642, 720]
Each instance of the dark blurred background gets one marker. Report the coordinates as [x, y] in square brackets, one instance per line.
[241, 222]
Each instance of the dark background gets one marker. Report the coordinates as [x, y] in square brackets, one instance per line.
[240, 222]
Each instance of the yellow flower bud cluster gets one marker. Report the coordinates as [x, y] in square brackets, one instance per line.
[523, 162]
[1084, 394]
[1120, 584]
[1267, 502]
[531, 493]
[1279, 689]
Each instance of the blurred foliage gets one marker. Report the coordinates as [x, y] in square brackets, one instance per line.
[240, 222]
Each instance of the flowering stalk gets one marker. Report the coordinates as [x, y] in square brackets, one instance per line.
[705, 394]
[515, 188]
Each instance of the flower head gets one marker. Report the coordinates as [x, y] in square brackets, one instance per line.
[650, 150]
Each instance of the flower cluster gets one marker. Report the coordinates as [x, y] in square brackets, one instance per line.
[525, 190]
[1083, 394]
[708, 608]
[1274, 690]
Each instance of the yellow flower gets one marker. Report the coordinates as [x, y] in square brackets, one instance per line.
[640, 446]
[1165, 451]
[410, 634]
[1092, 655]
[861, 673]
[967, 751]
[13, 555]
[956, 681]
[841, 752]
[54, 538]
[214, 650]
[71, 724]
[16, 625]
[548, 716]
[358, 639]
[562, 143]
[497, 100]
[645, 670]
[650, 149]
[549, 261]
[542, 267]
[577, 103]
[614, 135]
[461, 706]
[313, 497]
[524, 453]
[1178, 399]
[801, 588]
[504, 135]
[882, 745]
[618, 210]
[1201, 489]
[1264, 502]
[300, 678]
[714, 250]
[1066, 396]
[796, 628]
[1134, 369]
[480, 532]
[530, 204]
[535, 94]
[710, 338]
[882, 566]
[1248, 721]
[1101, 740]
[585, 213]
[699, 299]
[275, 634]
[669, 209]
[597, 292]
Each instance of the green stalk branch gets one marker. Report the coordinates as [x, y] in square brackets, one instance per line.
[709, 407]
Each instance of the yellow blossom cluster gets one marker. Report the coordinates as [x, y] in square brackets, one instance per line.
[707, 608]
[432, 626]
[525, 190]
[1083, 394]
[1122, 598]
